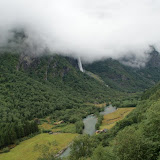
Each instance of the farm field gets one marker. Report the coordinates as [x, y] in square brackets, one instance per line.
[110, 119]
[64, 128]
[32, 148]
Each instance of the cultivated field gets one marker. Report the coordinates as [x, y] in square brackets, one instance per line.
[33, 148]
[110, 119]
[64, 128]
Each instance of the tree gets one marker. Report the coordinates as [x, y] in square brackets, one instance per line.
[130, 144]
[82, 147]
[101, 153]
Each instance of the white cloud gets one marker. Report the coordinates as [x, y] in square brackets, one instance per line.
[91, 29]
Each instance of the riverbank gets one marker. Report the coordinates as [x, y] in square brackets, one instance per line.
[90, 125]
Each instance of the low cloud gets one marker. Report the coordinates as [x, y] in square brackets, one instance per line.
[90, 29]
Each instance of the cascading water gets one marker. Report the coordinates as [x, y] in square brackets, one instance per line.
[80, 65]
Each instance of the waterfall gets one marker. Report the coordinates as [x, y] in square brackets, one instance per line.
[80, 65]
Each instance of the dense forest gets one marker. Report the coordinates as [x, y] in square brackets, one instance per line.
[126, 78]
[36, 87]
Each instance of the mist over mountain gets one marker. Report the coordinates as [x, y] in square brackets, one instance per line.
[124, 76]
[69, 68]
[88, 29]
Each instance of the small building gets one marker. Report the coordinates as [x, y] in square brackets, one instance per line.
[101, 131]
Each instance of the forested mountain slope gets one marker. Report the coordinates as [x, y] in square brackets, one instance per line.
[134, 138]
[35, 87]
[126, 78]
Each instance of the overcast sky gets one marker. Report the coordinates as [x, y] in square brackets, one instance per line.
[90, 29]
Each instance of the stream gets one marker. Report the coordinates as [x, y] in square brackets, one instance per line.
[89, 126]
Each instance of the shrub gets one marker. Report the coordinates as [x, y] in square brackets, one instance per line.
[5, 150]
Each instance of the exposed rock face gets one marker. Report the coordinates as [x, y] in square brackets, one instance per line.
[46, 67]
[154, 59]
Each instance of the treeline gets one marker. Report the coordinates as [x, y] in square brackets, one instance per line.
[100, 119]
[11, 132]
[75, 115]
[79, 127]
[128, 101]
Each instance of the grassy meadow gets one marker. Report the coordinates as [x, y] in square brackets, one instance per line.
[64, 128]
[110, 119]
[33, 148]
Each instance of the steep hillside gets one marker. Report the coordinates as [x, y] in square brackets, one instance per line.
[136, 137]
[126, 78]
[36, 87]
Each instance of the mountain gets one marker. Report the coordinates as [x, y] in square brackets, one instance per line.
[49, 85]
[126, 78]
[34, 87]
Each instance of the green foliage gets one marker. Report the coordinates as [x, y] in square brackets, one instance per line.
[77, 113]
[10, 132]
[46, 154]
[101, 153]
[82, 147]
[130, 144]
[79, 127]
[130, 100]
[36, 87]
[125, 78]
[99, 122]
[5, 150]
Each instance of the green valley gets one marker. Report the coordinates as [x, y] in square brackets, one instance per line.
[36, 93]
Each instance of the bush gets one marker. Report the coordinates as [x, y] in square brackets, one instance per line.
[100, 119]
[46, 130]
[130, 144]
[79, 127]
[17, 142]
[101, 153]
[5, 150]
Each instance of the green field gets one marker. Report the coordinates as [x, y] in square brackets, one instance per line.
[111, 119]
[31, 149]
[64, 128]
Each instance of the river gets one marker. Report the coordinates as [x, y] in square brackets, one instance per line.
[89, 126]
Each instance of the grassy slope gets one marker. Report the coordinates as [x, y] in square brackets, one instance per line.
[111, 119]
[28, 150]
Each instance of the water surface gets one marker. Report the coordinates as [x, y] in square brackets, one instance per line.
[108, 109]
[89, 126]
